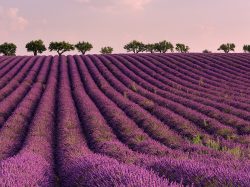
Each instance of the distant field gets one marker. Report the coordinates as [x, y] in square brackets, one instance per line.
[144, 120]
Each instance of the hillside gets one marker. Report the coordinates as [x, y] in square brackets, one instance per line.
[127, 119]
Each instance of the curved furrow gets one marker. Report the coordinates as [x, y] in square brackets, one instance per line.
[87, 112]
[77, 165]
[236, 93]
[230, 79]
[15, 76]
[213, 125]
[236, 62]
[125, 128]
[39, 142]
[161, 77]
[153, 102]
[151, 106]
[93, 121]
[13, 80]
[183, 85]
[123, 85]
[16, 127]
[71, 143]
[224, 65]
[99, 135]
[36, 151]
[230, 65]
[242, 126]
[3, 59]
[6, 60]
[184, 80]
[224, 118]
[243, 60]
[39, 137]
[175, 168]
[227, 119]
[206, 76]
[245, 54]
[241, 110]
[212, 79]
[243, 94]
[9, 64]
[169, 73]
[12, 70]
[10, 102]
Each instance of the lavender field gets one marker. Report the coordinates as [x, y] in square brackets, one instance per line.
[137, 120]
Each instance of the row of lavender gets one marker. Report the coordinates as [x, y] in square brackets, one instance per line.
[103, 121]
[199, 103]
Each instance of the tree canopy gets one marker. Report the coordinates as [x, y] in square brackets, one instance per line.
[227, 47]
[246, 48]
[164, 46]
[83, 47]
[106, 50]
[61, 47]
[8, 49]
[182, 48]
[135, 46]
[206, 51]
[150, 48]
[36, 47]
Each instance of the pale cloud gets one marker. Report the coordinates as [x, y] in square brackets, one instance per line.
[10, 20]
[116, 4]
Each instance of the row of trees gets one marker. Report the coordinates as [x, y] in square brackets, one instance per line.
[229, 47]
[161, 47]
[38, 47]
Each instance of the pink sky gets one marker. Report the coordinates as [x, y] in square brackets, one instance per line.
[201, 24]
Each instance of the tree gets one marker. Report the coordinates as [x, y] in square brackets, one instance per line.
[135, 47]
[227, 47]
[106, 50]
[8, 49]
[36, 47]
[206, 51]
[150, 48]
[83, 47]
[164, 46]
[246, 48]
[61, 47]
[182, 48]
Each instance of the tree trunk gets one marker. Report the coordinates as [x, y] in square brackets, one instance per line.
[35, 53]
[60, 53]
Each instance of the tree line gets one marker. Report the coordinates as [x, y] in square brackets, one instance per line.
[38, 47]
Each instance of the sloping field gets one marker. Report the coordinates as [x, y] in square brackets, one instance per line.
[125, 120]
